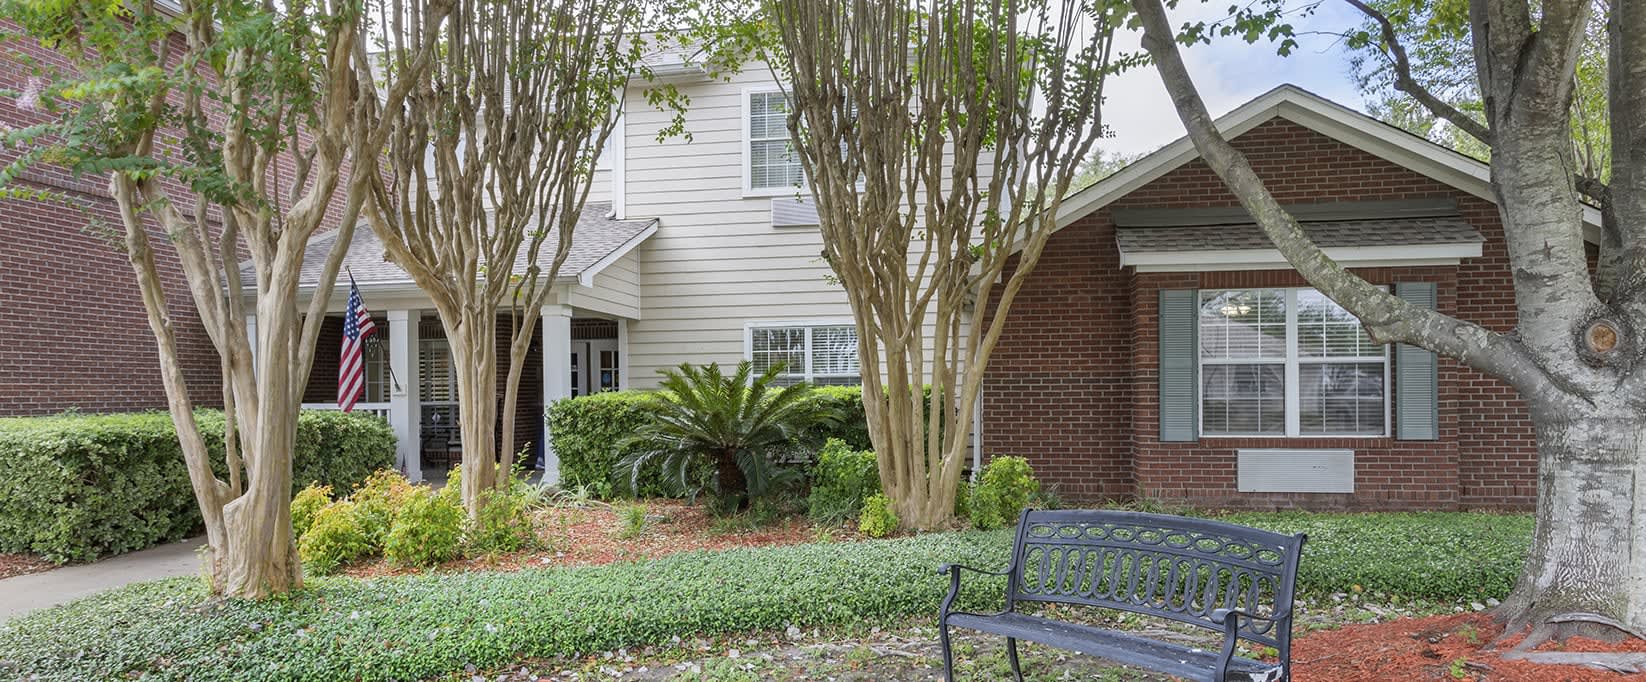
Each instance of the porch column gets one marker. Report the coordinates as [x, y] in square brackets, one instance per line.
[557, 376]
[403, 412]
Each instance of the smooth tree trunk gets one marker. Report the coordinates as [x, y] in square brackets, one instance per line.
[1582, 574]
[473, 347]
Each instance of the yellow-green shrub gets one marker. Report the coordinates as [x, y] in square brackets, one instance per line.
[309, 501]
[376, 502]
[877, 520]
[427, 530]
[333, 539]
[503, 524]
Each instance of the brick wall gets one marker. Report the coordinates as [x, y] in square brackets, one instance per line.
[1073, 386]
[73, 331]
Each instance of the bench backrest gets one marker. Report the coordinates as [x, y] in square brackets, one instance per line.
[1168, 566]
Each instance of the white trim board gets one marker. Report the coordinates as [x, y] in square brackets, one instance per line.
[1270, 259]
[1322, 116]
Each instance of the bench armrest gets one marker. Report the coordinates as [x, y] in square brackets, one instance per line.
[1231, 631]
[953, 571]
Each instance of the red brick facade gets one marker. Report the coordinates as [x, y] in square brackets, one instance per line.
[1073, 383]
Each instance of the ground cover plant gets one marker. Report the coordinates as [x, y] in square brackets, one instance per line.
[412, 626]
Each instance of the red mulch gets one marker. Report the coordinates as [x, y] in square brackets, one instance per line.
[12, 565]
[1427, 648]
[584, 536]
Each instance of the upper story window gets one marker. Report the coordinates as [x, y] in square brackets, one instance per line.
[772, 164]
[1288, 362]
[816, 354]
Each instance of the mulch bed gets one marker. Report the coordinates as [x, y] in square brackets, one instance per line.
[588, 535]
[12, 565]
[1453, 647]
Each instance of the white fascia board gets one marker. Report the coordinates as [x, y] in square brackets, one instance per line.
[1270, 259]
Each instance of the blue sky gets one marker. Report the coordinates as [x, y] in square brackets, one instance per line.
[1229, 72]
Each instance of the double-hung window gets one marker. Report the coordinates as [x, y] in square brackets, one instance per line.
[816, 354]
[1288, 362]
[773, 164]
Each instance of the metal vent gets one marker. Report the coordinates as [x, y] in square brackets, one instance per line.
[1296, 471]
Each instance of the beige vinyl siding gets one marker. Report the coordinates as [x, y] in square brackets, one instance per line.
[616, 290]
[716, 264]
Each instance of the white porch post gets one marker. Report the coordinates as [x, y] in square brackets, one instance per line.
[403, 412]
[557, 378]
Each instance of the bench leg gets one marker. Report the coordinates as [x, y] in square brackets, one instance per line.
[1011, 658]
[948, 654]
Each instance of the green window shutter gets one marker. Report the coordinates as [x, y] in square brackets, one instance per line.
[1179, 366]
[1417, 384]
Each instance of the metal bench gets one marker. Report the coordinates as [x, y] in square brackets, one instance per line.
[1226, 578]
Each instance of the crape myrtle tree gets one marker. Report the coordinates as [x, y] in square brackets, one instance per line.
[938, 139]
[227, 128]
[489, 162]
[1577, 355]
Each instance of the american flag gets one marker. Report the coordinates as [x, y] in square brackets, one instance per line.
[351, 369]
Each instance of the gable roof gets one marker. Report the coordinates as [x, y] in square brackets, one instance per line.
[1322, 116]
[597, 241]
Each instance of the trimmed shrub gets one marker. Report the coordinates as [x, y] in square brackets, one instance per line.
[877, 519]
[79, 487]
[334, 539]
[376, 502]
[429, 626]
[427, 530]
[503, 524]
[308, 502]
[852, 427]
[1003, 492]
[591, 435]
[842, 479]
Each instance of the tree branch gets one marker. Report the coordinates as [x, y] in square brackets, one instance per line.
[1386, 317]
[1405, 83]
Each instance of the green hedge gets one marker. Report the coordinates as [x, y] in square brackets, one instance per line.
[588, 433]
[424, 626]
[79, 487]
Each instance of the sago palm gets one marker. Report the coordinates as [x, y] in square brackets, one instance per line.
[704, 416]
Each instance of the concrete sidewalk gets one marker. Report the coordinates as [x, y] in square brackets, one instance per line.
[25, 593]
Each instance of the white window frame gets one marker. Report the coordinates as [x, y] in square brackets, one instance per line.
[1294, 405]
[747, 140]
[809, 325]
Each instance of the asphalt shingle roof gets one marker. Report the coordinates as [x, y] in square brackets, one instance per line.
[1328, 234]
[596, 237]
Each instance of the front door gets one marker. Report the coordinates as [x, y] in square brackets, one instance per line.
[594, 366]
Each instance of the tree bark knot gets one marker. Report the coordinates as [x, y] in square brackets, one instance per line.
[1604, 341]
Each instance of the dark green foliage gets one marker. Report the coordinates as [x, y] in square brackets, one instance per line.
[733, 423]
[427, 530]
[418, 627]
[1002, 492]
[591, 434]
[841, 480]
[81, 487]
[333, 539]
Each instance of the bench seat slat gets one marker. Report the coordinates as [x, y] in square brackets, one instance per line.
[1172, 659]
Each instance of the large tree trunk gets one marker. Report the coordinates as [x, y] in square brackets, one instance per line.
[473, 347]
[1581, 570]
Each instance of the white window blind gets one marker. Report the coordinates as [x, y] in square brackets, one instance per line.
[1288, 362]
[822, 354]
[773, 163]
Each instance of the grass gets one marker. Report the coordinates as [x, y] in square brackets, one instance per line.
[418, 626]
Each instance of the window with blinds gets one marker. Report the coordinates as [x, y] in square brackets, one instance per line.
[821, 354]
[437, 378]
[773, 163]
[1288, 362]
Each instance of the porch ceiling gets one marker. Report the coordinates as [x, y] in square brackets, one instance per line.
[596, 242]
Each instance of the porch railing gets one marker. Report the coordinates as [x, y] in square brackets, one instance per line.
[379, 409]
